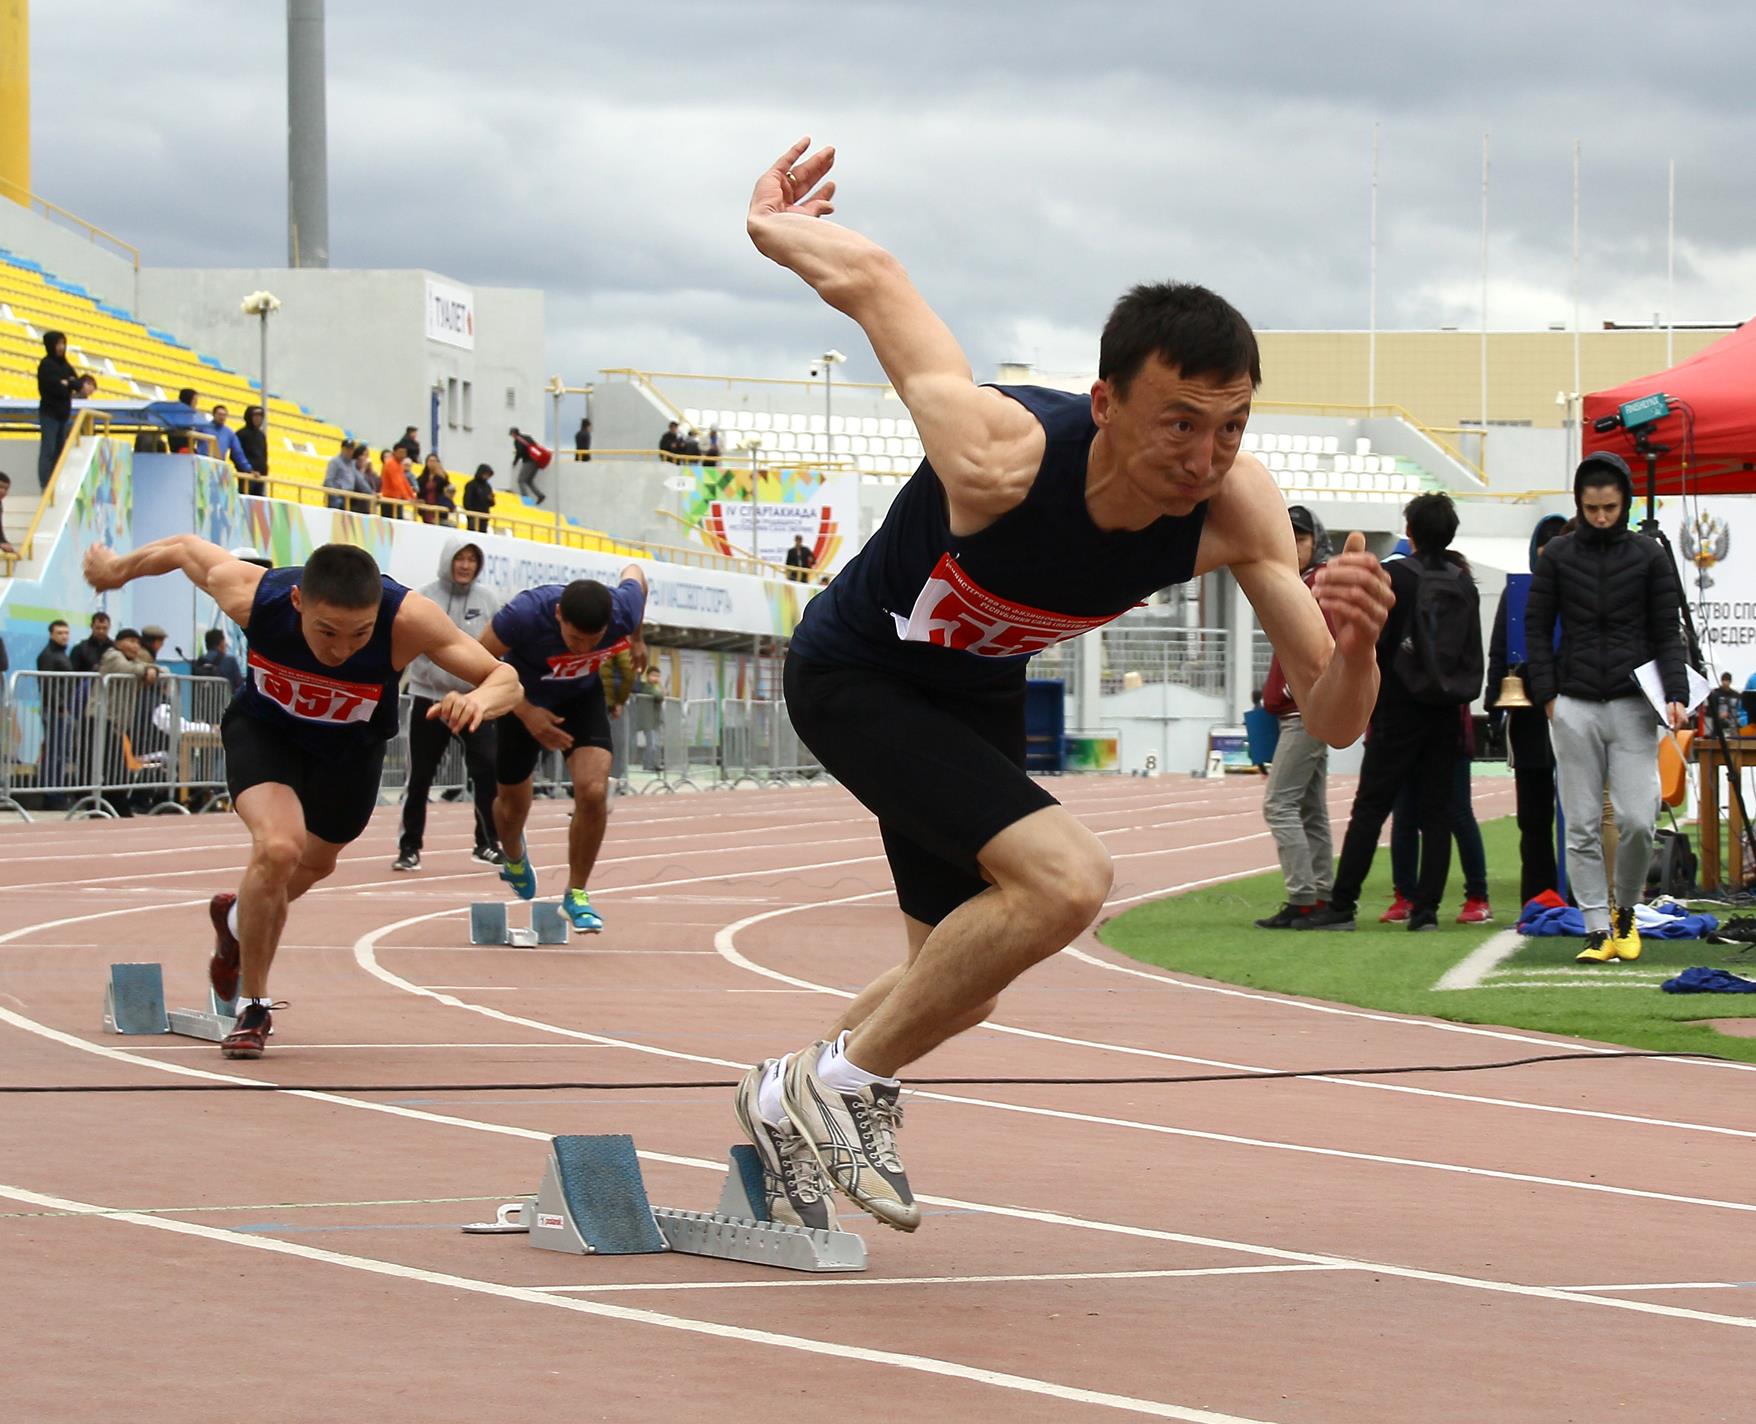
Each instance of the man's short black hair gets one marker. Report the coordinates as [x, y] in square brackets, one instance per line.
[5, 479]
[214, 638]
[343, 576]
[99, 615]
[58, 623]
[1187, 327]
[187, 395]
[1432, 522]
[585, 605]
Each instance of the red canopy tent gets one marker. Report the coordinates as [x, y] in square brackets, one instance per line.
[1718, 384]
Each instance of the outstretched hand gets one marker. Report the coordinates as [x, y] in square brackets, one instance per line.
[1354, 593]
[460, 711]
[794, 186]
[102, 568]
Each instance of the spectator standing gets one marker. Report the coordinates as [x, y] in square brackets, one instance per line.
[1472, 856]
[478, 499]
[1527, 744]
[691, 447]
[181, 442]
[394, 485]
[1296, 804]
[471, 605]
[90, 650]
[713, 448]
[799, 561]
[1430, 664]
[217, 661]
[55, 762]
[54, 656]
[5, 489]
[127, 672]
[527, 458]
[342, 477]
[1724, 711]
[670, 443]
[435, 492]
[648, 714]
[252, 437]
[56, 381]
[226, 447]
[582, 440]
[409, 447]
[1616, 596]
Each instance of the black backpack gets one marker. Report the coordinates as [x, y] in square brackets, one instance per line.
[1439, 659]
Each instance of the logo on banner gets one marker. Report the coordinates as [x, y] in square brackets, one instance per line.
[568, 667]
[311, 697]
[1707, 539]
[451, 315]
[954, 611]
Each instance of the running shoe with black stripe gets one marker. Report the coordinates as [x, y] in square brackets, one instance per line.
[249, 1036]
[223, 968]
[853, 1138]
[796, 1190]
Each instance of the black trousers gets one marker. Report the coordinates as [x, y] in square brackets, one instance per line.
[1535, 788]
[427, 743]
[1414, 744]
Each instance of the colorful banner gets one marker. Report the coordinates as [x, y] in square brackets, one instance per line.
[822, 508]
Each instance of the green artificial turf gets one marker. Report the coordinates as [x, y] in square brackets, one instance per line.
[1209, 933]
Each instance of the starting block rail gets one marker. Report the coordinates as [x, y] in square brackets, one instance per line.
[134, 1003]
[489, 923]
[593, 1201]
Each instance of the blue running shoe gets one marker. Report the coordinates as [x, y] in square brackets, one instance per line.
[577, 906]
[521, 875]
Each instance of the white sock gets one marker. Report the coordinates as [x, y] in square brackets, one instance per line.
[768, 1104]
[232, 919]
[244, 1002]
[845, 1076]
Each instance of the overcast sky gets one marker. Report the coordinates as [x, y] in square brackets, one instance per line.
[1028, 161]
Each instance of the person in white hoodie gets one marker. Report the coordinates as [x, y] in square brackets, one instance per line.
[471, 605]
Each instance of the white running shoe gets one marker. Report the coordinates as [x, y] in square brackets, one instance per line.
[853, 1138]
[796, 1189]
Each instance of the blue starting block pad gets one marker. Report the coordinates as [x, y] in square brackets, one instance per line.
[134, 1003]
[489, 923]
[593, 1201]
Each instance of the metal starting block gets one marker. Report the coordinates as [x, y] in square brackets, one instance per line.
[488, 924]
[593, 1202]
[134, 1003]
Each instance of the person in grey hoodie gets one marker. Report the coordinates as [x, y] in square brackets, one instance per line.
[471, 605]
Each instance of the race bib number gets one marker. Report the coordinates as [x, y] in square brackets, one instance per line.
[954, 611]
[312, 697]
[570, 667]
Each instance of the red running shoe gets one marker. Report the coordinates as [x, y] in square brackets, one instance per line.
[1475, 912]
[249, 1036]
[1398, 912]
[222, 969]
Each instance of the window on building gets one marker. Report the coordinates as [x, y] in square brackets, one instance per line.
[451, 406]
[469, 422]
[511, 398]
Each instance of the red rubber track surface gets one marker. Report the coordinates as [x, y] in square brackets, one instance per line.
[1562, 1241]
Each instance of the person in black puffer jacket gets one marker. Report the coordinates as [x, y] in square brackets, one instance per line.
[253, 436]
[1615, 593]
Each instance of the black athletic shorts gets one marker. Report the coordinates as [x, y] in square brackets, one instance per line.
[339, 790]
[586, 717]
[942, 770]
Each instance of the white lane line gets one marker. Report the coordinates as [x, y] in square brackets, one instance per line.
[821, 1282]
[376, 1047]
[1481, 961]
[1664, 1286]
[897, 1359]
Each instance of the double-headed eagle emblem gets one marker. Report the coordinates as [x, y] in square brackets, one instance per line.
[1706, 541]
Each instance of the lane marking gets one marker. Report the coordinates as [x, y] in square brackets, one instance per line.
[822, 1282]
[1481, 961]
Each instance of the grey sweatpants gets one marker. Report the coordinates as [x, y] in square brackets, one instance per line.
[1615, 743]
[1297, 812]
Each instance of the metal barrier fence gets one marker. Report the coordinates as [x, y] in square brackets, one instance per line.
[120, 744]
[1135, 655]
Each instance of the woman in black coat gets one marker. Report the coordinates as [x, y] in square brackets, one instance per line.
[253, 437]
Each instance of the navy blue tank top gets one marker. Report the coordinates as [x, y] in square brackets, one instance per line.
[969, 611]
[325, 709]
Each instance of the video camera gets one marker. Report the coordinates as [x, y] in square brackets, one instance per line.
[1635, 415]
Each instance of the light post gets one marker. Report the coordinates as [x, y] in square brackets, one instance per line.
[260, 305]
[753, 444]
[830, 359]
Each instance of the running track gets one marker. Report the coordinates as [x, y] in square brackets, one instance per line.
[1566, 1241]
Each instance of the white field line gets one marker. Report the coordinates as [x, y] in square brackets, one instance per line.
[1481, 961]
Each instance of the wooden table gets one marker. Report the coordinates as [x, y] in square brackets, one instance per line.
[1709, 759]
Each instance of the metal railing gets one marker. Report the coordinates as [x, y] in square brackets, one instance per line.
[89, 230]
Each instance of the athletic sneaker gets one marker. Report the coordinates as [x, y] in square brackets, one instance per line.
[1398, 911]
[853, 1138]
[796, 1190]
[408, 860]
[1419, 920]
[1598, 948]
[1287, 917]
[222, 969]
[521, 875]
[1327, 917]
[487, 855]
[1625, 934]
[1475, 911]
[249, 1036]
[576, 904]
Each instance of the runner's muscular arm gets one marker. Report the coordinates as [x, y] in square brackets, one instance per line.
[984, 446]
[423, 627]
[543, 724]
[1334, 678]
[229, 582]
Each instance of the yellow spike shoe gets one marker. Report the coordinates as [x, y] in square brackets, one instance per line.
[1598, 949]
[1625, 937]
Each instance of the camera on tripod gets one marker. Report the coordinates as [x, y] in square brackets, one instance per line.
[1636, 416]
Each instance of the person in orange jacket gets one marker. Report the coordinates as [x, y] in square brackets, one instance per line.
[393, 482]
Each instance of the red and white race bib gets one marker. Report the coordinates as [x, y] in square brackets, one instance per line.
[954, 611]
[312, 697]
[570, 667]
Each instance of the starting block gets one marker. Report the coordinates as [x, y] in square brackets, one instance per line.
[134, 1003]
[593, 1202]
[488, 924]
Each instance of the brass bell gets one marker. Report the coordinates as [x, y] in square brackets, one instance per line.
[1512, 693]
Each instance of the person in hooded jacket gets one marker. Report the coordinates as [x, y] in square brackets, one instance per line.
[56, 383]
[478, 499]
[1615, 595]
[252, 438]
[470, 605]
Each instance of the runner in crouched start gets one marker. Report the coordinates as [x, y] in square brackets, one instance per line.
[1036, 516]
[557, 637]
[304, 736]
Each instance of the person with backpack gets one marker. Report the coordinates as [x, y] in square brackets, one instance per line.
[1615, 594]
[527, 458]
[1430, 664]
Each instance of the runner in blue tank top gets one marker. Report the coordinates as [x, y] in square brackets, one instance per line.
[1036, 517]
[304, 736]
[557, 637]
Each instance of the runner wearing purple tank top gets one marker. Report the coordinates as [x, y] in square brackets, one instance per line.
[1034, 518]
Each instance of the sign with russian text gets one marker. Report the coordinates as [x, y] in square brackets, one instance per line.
[451, 315]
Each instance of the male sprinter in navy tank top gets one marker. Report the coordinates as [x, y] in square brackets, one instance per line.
[558, 637]
[305, 734]
[1037, 516]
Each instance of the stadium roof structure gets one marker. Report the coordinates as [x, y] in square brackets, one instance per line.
[1711, 430]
